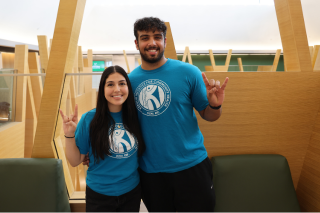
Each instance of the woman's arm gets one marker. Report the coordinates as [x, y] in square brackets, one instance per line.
[72, 152]
[69, 127]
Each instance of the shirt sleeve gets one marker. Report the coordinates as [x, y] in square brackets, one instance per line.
[82, 135]
[198, 90]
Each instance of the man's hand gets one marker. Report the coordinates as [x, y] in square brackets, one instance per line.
[215, 93]
[70, 122]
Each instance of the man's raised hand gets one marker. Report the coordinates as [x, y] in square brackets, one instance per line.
[70, 122]
[215, 93]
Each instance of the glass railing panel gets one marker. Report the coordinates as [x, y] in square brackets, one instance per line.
[80, 89]
[17, 97]
[7, 96]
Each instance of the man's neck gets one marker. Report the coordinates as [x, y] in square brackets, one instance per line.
[152, 66]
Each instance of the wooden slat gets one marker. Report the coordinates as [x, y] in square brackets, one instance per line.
[316, 66]
[31, 120]
[184, 57]
[170, 50]
[21, 64]
[293, 35]
[228, 58]
[43, 51]
[65, 39]
[276, 60]
[85, 62]
[213, 63]
[36, 81]
[126, 59]
[311, 53]
[80, 59]
[189, 56]
[240, 64]
[315, 54]
[89, 57]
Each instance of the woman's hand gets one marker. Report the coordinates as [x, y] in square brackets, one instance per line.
[70, 122]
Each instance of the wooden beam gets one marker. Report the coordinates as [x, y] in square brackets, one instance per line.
[43, 51]
[64, 44]
[36, 81]
[315, 55]
[31, 120]
[184, 57]
[170, 50]
[189, 56]
[228, 58]
[21, 64]
[311, 53]
[276, 60]
[240, 64]
[213, 63]
[80, 59]
[293, 35]
[126, 59]
[89, 57]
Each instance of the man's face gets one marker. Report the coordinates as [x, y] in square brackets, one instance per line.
[151, 45]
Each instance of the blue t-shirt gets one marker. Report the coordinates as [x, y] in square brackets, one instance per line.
[165, 98]
[117, 174]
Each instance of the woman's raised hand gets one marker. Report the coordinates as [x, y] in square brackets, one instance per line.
[70, 122]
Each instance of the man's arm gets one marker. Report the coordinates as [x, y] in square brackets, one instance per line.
[210, 114]
[215, 95]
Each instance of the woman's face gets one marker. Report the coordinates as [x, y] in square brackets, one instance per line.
[116, 91]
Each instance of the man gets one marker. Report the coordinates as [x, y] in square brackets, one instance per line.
[176, 173]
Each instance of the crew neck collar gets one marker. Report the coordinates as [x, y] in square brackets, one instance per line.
[159, 68]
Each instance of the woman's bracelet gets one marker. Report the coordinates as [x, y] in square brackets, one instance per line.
[69, 137]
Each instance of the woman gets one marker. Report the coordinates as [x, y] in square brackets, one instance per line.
[112, 136]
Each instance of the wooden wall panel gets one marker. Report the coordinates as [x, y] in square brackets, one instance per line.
[170, 50]
[44, 52]
[262, 115]
[308, 190]
[293, 35]
[7, 60]
[12, 140]
[62, 54]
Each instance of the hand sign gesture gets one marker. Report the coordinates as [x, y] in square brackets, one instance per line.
[70, 122]
[215, 93]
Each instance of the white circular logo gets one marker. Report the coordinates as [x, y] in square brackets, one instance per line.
[152, 97]
[124, 143]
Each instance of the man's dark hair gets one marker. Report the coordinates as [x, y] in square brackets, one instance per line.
[149, 23]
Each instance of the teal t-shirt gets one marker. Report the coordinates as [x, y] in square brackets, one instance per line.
[165, 98]
[117, 174]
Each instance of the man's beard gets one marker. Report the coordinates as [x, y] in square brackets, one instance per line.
[151, 60]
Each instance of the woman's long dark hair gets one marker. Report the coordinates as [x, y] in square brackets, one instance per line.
[102, 120]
